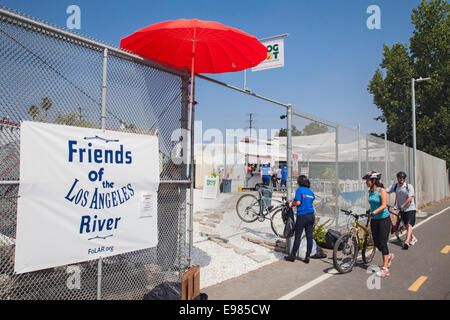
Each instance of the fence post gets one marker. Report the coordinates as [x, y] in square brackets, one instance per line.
[405, 157]
[289, 162]
[104, 83]
[386, 158]
[99, 279]
[367, 153]
[337, 176]
[289, 151]
[191, 171]
[182, 210]
[105, 63]
[367, 166]
[359, 153]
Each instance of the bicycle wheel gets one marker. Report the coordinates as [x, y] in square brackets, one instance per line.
[248, 208]
[400, 232]
[345, 252]
[369, 249]
[277, 224]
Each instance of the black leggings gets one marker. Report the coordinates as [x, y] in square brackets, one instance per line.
[380, 233]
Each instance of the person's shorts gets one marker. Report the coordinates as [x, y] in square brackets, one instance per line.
[409, 217]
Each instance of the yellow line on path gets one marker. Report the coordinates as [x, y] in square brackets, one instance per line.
[446, 249]
[416, 285]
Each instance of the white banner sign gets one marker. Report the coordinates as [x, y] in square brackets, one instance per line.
[275, 55]
[84, 194]
[210, 188]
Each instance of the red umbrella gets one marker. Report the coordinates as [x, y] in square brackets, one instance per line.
[203, 46]
[212, 46]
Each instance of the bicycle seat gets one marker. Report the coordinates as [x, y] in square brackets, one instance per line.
[393, 209]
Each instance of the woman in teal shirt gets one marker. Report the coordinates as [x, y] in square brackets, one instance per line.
[380, 223]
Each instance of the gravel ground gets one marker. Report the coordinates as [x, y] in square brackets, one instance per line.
[218, 263]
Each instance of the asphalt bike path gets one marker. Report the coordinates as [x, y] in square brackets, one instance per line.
[418, 273]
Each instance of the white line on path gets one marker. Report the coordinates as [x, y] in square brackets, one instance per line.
[309, 285]
[434, 215]
[332, 272]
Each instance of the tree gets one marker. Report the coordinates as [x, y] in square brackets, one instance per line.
[33, 111]
[72, 119]
[428, 55]
[328, 174]
[314, 128]
[46, 104]
[381, 135]
[295, 132]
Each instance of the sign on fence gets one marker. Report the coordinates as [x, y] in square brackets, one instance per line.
[275, 55]
[295, 164]
[84, 194]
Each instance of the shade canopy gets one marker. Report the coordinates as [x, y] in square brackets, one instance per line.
[215, 47]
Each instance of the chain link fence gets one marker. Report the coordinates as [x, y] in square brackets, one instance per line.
[335, 158]
[51, 75]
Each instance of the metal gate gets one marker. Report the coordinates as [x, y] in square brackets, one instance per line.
[50, 75]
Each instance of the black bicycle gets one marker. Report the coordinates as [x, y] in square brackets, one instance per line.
[250, 208]
[325, 205]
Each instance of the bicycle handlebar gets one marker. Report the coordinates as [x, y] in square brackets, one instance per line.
[349, 212]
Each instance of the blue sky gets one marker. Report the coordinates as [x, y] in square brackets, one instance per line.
[330, 54]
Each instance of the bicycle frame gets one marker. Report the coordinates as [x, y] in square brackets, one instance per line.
[397, 216]
[355, 231]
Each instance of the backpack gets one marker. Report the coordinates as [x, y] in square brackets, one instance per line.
[330, 239]
[165, 291]
[396, 185]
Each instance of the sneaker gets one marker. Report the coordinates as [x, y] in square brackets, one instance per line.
[390, 258]
[306, 260]
[290, 258]
[405, 246]
[383, 273]
[413, 241]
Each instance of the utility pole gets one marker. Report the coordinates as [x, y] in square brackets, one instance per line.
[251, 122]
[248, 149]
[413, 103]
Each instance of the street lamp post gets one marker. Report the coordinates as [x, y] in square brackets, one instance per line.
[413, 102]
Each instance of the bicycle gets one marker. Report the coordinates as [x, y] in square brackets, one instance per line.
[250, 208]
[358, 238]
[398, 226]
[325, 205]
